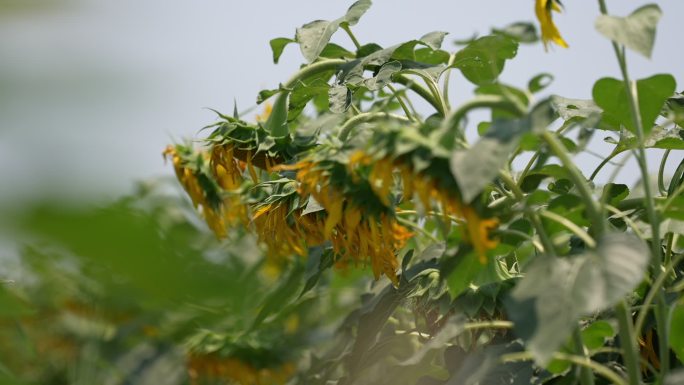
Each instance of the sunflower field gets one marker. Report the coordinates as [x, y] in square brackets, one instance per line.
[367, 227]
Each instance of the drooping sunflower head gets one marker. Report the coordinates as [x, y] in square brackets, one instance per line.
[550, 34]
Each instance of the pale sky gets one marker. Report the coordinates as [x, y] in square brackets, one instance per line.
[91, 90]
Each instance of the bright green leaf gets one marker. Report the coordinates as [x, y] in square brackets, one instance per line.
[483, 60]
[278, 45]
[611, 95]
[595, 335]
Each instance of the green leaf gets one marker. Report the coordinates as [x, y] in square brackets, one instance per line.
[675, 107]
[276, 124]
[340, 98]
[468, 267]
[572, 108]
[454, 326]
[318, 261]
[596, 334]
[477, 166]
[677, 332]
[614, 193]
[265, 95]
[383, 77]
[611, 95]
[281, 295]
[539, 82]
[278, 45]
[636, 31]
[355, 12]
[313, 37]
[334, 51]
[521, 31]
[304, 91]
[676, 209]
[483, 60]
[555, 292]
[434, 39]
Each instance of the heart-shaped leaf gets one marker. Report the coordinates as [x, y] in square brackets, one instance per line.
[482, 60]
[314, 36]
[556, 292]
[636, 31]
[611, 95]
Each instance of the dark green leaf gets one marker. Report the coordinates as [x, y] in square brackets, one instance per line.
[636, 31]
[483, 60]
[615, 193]
[278, 45]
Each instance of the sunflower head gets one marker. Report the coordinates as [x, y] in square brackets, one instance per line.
[550, 34]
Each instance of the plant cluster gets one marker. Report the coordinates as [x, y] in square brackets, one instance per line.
[494, 261]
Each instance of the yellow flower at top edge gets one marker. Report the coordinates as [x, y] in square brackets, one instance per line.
[549, 31]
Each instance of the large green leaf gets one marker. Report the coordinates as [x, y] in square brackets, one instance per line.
[314, 36]
[636, 31]
[611, 95]
[477, 166]
[483, 60]
[546, 305]
[406, 51]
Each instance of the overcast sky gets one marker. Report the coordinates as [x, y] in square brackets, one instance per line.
[91, 90]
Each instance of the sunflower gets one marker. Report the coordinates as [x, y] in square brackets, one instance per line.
[357, 234]
[430, 193]
[544, 10]
[212, 193]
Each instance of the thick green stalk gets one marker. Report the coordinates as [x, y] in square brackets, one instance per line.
[656, 249]
[586, 374]
[628, 341]
[364, 117]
